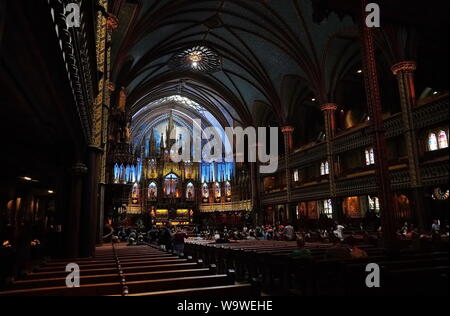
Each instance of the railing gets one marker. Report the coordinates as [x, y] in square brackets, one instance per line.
[227, 207]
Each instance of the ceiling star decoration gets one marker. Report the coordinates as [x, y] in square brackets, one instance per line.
[198, 58]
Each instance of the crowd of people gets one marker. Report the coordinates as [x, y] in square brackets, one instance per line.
[173, 238]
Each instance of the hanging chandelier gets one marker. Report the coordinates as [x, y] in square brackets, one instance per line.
[198, 58]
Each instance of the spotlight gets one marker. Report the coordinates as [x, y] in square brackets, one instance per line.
[50, 191]
[313, 99]
[27, 179]
[359, 71]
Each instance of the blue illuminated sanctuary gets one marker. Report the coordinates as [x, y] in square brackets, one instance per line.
[167, 192]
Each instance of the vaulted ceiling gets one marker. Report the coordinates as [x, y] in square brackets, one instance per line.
[278, 55]
[266, 47]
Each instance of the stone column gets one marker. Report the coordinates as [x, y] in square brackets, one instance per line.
[404, 72]
[288, 146]
[78, 171]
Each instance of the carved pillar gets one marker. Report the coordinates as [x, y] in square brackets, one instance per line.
[78, 171]
[288, 146]
[329, 113]
[404, 72]
[375, 111]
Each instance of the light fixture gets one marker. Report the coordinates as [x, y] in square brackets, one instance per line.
[27, 179]
[313, 99]
[359, 71]
[50, 191]
[199, 58]
[435, 92]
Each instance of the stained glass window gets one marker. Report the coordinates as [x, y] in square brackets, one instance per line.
[370, 157]
[432, 142]
[152, 191]
[374, 204]
[328, 208]
[296, 176]
[171, 183]
[324, 168]
[443, 140]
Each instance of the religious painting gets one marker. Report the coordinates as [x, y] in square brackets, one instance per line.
[352, 207]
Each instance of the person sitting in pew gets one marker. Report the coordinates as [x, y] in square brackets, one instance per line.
[338, 251]
[355, 251]
[301, 252]
[178, 241]
[222, 239]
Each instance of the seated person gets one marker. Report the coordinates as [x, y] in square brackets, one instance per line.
[338, 252]
[301, 252]
[355, 251]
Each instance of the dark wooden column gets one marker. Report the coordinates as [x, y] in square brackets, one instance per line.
[2, 20]
[90, 210]
[78, 171]
[376, 117]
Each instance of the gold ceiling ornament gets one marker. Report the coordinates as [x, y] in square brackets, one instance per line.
[198, 58]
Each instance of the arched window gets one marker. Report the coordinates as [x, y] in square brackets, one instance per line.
[205, 191]
[116, 173]
[370, 157]
[443, 140]
[432, 142]
[171, 184]
[296, 176]
[374, 204]
[135, 194]
[190, 192]
[217, 191]
[228, 189]
[122, 176]
[152, 191]
[324, 168]
[328, 208]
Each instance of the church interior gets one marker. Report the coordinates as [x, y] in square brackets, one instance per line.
[99, 96]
